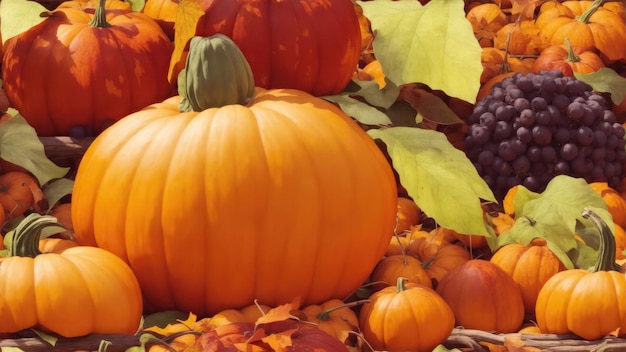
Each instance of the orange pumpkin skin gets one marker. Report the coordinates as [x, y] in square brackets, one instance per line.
[615, 203]
[121, 69]
[97, 292]
[588, 303]
[164, 13]
[559, 57]
[603, 30]
[405, 317]
[159, 205]
[389, 269]
[312, 46]
[483, 296]
[530, 266]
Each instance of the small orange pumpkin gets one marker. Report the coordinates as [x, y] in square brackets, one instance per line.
[406, 317]
[568, 59]
[389, 269]
[483, 296]
[530, 266]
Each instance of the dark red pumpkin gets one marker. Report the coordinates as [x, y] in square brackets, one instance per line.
[311, 45]
[77, 68]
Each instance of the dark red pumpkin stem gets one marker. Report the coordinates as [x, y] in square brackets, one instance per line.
[571, 56]
[100, 16]
[24, 239]
[585, 16]
[606, 249]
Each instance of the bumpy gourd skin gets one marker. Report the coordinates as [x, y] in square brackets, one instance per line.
[67, 71]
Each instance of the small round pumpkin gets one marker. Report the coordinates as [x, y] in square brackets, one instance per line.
[483, 296]
[70, 290]
[336, 318]
[588, 303]
[81, 70]
[389, 269]
[405, 317]
[408, 215]
[530, 266]
[568, 59]
[171, 192]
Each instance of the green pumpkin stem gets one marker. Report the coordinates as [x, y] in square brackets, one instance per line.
[585, 16]
[400, 284]
[606, 249]
[24, 239]
[216, 74]
[571, 56]
[325, 315]
[100, 17]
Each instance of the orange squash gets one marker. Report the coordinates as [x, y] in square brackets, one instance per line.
[568, 59]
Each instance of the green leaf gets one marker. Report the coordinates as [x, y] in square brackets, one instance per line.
[162, 319]
[402, 114]
[432, 44]
[17, 16]
[57, 189]
[606, 80]
[137, 5]
[555, 215]
[48, 338]
[439, 177]
[442, 348]
[144, 339]
[20, 145]
[372, 93]
[364, 113]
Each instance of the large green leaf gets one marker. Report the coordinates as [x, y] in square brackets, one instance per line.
[17, 16]
[20, 145]
[556, 216]
[606, 80]
[439, 177]
[432, 44]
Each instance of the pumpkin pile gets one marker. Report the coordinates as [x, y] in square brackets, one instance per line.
[224, 205]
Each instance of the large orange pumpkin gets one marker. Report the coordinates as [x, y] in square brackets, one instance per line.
[80, 69]
[216, 207]
[312, 45]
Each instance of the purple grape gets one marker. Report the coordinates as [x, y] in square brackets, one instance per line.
[584, 135]
[569, 151]
[542, 135]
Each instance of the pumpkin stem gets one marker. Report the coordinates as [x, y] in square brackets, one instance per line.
[606, 249]
[100, 17]
[400, 284]
[24, 239]
[325, 315]
[571, 56]
[216, 74]
[585, 16]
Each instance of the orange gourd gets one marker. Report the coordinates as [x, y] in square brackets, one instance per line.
[530, 266]
[165, 188]
[406, 317]
[568, 59]
[588, 303]
[483, 296]
[72, 291]
[615, 203]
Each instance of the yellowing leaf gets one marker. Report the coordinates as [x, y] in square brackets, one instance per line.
[606, 80]
[20, 145]
[439, 177]
[280, 313]
[364, 113]
[432, 44]
[17, 16]
[187, 15]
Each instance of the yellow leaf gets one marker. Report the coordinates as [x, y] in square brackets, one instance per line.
[187, 15]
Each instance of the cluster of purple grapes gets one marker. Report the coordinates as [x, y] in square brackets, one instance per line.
[533, 127]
